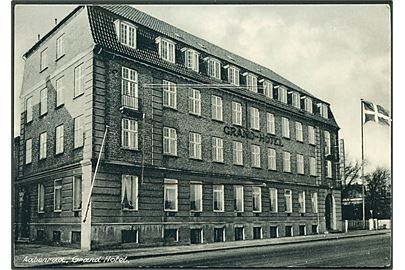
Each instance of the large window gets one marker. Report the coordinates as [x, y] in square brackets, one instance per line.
[271, 127]
[216, 107]
[233, 75]
[195, 145]
[78, 131]
[77, 193]
[237, 153]
[296, 101]
[217, 149]
[268, 89]
[238, 197]
[288, 200]
[298, 131]
[191, 59]
[286, 162]
[285, 127]
[311, 135]
[271, 159]
[59, 141]
[42, 145]
[57, 195]
[308, 104]
[236, 113]
[196, 196]
[273, 200]
[301, 201]
[170, 195]
[314, 200]
[218, 198]
[129, 134]
[254, 118]
[169, 141]
[129, 88]
[214, 68]
[194, 102]
[28, 151]
[169, 94]
[257, 199]
[329, 169]
[300, 164]
[43, 64]
[60, 49]
[41, 198]
[126, 33]
[312, 166]
[44, 101]
[282, 94]
[59, 91]
[166, 49]
[28, 108]
[327, 143]
[251, 82]
[129, 192]
[255, 156]
[79, 80]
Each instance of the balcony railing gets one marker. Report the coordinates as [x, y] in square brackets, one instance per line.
[130, 102]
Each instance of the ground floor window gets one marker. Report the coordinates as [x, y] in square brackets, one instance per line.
[56, 236]
[40, 235]
[273, 232]
[314, 229]
[171, 235]
[303, 230]
[239, 233]
[129, 236]
[288, 231]
[219, 234]
[196, 236]
[257, 232]
[76, 237]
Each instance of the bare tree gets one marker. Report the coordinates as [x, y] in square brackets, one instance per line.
[378, 194]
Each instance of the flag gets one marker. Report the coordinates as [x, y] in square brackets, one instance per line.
[376, 113]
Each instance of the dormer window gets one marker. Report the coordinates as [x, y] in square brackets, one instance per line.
[295, 98]
[308, 104]
[267, 88]
[251, 82]
[233, 75]
[191, 59]
[324, 110]
[166, 49]
[214, 68]
[126, 33]
[282, 94]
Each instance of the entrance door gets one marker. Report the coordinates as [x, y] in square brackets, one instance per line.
[328, 211]
[25, 213]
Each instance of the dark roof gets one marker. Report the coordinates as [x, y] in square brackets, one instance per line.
[141, 18]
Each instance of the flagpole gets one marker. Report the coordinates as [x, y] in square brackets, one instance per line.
[362, 165]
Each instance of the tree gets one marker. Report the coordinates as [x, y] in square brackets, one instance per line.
[352, 189]
[378, 193]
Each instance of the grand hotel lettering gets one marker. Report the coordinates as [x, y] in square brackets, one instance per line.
[252, 135]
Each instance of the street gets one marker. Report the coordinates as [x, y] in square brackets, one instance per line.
[370, 251]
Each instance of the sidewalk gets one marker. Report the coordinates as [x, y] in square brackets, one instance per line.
[28, 255]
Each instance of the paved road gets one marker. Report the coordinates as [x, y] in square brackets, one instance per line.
[370, 251]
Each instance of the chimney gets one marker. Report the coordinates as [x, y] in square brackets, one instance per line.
[39, 36]
[56, 21]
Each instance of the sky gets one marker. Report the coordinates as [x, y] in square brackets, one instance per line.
[339, 53]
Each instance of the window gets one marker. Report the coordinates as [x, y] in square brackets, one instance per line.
[218, 193]
[239, 233]
[255, 150]
[268, 89]
[301, 201]
[298, 132]
[129, 134]
[237, 153]
[196, 197]
[271, 159]
[194, 102]
[28, 108]
[273, 231]
[42, 145]
[286, 162]
[28, 151]
[170, 195]
[129, 88]
[302, 229]
[314, 200]
[216, 107]
[273, 200]
[282, 94]
[77, 193]
[288, 231]
[78, 131]
[324, 110]
[217, 149]
[76, 237]
[327, 143]
[126, 33]
[169, 95]
[44, 101]
[196, 236]
[271, 127]
[171, 235]
[296, 102]
[285, 128]
[238, 197]
[129, 192]
[251, 82]
[166, 49]
[254, 118]
[314, 229]
[41, 198]
[129, 236]
[311, 135]
[257, 233]
[59, 91]
[57, 195]
[214, 68]
[257, 199]
[219, 234]
[195, 145]
[191, 59]
[329, 169]
[79, 80]
[312, 166]
[43, 59]
[288, 200]
[308, 104]
[300, 164]
[233, 75]
[60, 50]
[236, 113]
[169, 141]
[59, 141]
